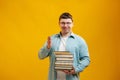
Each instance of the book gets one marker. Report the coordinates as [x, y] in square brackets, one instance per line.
[63, 68]
[63, 63]
[66, 55]
[62, 52]
[63, 60]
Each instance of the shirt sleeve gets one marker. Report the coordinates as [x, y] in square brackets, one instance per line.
[43, 52]
[84, 58]
[82, 64]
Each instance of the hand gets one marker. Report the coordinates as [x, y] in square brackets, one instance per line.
[72, 71]
[69, 71]
[49, 42]
[66, 71]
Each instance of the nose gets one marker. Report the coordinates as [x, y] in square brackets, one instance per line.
[65, 25]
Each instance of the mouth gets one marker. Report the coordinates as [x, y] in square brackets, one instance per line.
[64, 28]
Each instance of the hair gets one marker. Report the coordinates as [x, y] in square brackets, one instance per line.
[65, 15]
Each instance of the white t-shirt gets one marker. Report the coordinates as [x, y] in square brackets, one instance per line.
[62, 46]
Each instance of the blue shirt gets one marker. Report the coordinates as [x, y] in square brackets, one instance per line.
[76, 46]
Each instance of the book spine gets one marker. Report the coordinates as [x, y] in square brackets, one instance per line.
[64, 56]
[62, 52]
[63, 68]
[64, 59]
[63, 63]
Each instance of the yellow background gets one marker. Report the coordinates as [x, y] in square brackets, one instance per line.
[26, 24]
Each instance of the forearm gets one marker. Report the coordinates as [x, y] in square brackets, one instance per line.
[43, 52]
[83, 63]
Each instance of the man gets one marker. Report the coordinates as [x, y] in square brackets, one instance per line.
[66, 40]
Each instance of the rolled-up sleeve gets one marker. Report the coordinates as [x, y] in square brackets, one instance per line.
[83, 63]
[43, 52]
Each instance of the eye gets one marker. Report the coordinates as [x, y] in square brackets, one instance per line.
[63, 23]
[68, 23]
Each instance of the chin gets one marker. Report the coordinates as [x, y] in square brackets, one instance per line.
[66, 32]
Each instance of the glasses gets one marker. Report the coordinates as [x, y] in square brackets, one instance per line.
[67, 23]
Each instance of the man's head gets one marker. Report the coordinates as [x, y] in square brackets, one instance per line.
[66, 22]
[65, 15]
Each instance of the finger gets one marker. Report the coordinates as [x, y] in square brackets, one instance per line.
[49, 42]
[72, 72]
[67, 71]
[48, 37]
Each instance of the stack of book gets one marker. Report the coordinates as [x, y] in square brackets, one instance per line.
[63, 60]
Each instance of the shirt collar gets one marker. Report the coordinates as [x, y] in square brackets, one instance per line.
[71, 35]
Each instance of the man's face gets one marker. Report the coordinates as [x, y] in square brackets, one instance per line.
[66, 25]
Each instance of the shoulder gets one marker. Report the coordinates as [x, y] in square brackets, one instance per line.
[55, 35]
[79, 38]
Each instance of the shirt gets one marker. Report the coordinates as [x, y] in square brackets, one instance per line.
[76, 45]
[62, 46]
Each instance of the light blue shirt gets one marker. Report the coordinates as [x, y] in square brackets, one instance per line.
[76, 46]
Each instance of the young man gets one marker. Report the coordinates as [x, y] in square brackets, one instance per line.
[66, 40]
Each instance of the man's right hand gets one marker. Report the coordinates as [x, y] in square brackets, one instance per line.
[49, 42]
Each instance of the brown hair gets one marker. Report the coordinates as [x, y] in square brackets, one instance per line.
[65, 15]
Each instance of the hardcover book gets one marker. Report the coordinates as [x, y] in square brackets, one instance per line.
[63, 60]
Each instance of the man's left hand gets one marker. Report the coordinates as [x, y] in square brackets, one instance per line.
[69, 71]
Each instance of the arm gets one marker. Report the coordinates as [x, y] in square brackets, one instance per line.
[83, 63]
[45, 50]
[84, 57]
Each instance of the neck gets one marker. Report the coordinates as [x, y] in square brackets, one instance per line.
[65, 34]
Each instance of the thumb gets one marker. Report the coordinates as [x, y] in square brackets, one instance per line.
[49, 42]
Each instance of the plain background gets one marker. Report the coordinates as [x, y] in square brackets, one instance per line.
[26, 24]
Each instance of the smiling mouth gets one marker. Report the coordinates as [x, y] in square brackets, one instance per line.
[64, 28]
